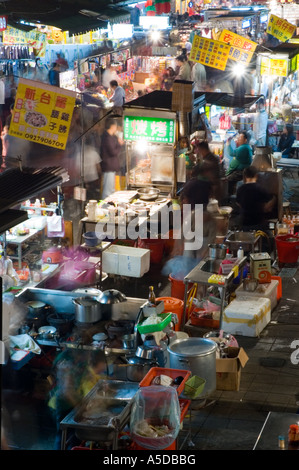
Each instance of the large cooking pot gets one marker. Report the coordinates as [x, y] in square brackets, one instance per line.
[217, 251]
[87, 310]
[197, 355]
[111, 301]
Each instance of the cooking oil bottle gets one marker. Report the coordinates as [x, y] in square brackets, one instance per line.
[151, 296]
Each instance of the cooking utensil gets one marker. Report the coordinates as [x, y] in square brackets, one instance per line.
[217, 251]
[112, 303]
[63, 322]
[129, 341]
[37, 313]
[145, 353]
[119, 328]
[197, 355]
[137, 368]
[47, 332]
[87, 309]
[148, 194]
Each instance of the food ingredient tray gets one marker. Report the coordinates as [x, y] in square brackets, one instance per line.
[151, 328]
[100, 415]
[172, 373]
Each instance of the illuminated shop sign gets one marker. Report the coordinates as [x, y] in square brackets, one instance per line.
[149, 129]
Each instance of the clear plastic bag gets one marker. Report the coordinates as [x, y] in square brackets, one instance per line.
[155, 417]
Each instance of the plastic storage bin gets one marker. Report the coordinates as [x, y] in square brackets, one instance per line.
[172, 373]
[246, 316]
[268, 291]
[194, 386]
[126, 261]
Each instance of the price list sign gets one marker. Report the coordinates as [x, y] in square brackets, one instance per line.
[280, 29]
[241, 49]
[42, 113]
[149, 129]
[209, 52]
[276, 67]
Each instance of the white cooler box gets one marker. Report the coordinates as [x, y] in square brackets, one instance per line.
[246, 316]
[268, 291]
[126, 261]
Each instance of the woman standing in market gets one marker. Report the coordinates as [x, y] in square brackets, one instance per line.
[184, 72]
[242, 158]
[286, 142]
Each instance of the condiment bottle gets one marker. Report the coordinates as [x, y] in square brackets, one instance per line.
[293, 435]
[151, 296]
[43, 204]
[240, 253]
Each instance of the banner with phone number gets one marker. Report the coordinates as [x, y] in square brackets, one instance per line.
[42, 113]
[209, 52]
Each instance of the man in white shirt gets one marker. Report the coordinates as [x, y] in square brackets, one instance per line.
[260, 124]
[119, 96]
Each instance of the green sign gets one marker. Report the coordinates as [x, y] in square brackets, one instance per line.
[149, 129]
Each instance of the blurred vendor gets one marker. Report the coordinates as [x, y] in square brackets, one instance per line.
[287, 139]
[254, 202]
[242, 158]
[209, 168]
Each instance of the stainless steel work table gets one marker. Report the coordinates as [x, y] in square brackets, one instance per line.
[200, 276]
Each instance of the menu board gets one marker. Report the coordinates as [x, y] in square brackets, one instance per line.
[42, 113]
[242, 49]
[149, 129]
[31, 38]
[209, 52]
[276, 67]
[280, 29]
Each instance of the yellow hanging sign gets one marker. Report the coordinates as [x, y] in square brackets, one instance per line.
[42, 113]
[209, 52]
[242, 49]
[280, 29]
[274, 67]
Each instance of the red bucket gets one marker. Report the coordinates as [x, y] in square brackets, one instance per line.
[177, 287]
[156, 247]
[287, 248]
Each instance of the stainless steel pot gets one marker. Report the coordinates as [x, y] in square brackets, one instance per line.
[197, 355]
[137, 368]
[112, 302]
[87, 309]
[217, 251]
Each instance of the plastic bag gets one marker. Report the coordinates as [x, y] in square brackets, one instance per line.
[155, 417]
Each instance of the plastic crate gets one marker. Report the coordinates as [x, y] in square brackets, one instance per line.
[173, 373]
[144, 329]
[194, 386]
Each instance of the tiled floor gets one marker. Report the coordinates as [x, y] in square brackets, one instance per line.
[228, 420]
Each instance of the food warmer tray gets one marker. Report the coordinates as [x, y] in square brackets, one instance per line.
[103, 412]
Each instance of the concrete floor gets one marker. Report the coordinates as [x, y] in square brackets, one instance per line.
[228, 420]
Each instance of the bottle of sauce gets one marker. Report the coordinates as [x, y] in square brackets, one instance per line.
[43, 204]
[151, 296]
[293, 436]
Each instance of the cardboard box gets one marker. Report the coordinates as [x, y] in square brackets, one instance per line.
[247, 316]
[126, 261]
[228, 370]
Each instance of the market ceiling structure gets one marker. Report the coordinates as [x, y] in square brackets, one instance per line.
[75, 16]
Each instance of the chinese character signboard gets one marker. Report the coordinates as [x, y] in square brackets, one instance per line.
[280, 29]
[158, 130]
[242, 49]
[30, 38]
[276, 67]
[209, 52]
[42, 113]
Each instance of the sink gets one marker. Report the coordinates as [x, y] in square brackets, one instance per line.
[211, 266]
[246, 237]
